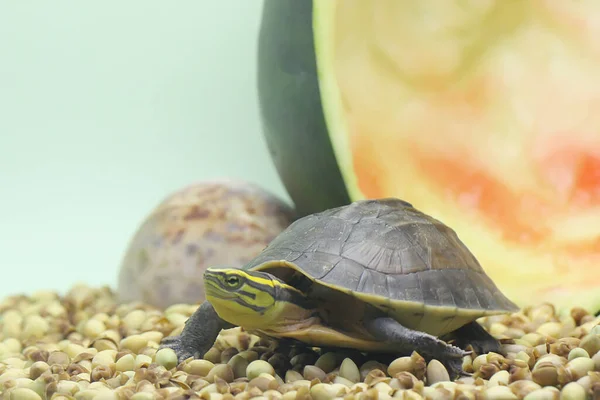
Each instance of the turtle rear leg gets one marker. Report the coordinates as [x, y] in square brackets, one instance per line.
[198, 335]
[475, 335]
[405, 340]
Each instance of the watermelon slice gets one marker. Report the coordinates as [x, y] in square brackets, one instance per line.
[480, 113]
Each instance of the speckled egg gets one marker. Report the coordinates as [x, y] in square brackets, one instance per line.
[224, 223]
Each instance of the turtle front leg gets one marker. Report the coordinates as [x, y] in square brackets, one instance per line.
[475, 335]
[406, 340]
[198, 335]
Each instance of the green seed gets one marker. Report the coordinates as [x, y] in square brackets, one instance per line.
[500, 393]
[12, 322]
[272, 394]
[135, 343]
[400, 364]
[541, 394]
[311, 372]
[580, 366]
[596, 358]
[222, 371]
[549, 358]
[550, 329]
[533, 339]
[104, 357]
[73, 350]
[262, 382]
[436, 372]
[35, 326]
[239, 365]
[349, 370]
[590, 343]
[37, 368]
[500, 378]
[249, 355]
[12, 345]
[257, 367]
[292, 376]
[198, 367]
[125, 363]
[213, 355]
[134, 319]
[572, 391]
[290, 395]
[67, 387]
[577, 352]
[409, 395]
[301, 383]
[523, 387]
[227, 354]
[93, 328]
[153, 336]
[166, 357]
[106, 395]
[104, 344]
[210, 388]
[343, 381]
[327, 362]
[479, 361]
[383, 388]
[142, 361]
[323, 391]
[24, 394]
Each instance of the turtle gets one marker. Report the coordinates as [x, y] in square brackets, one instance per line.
[374, 276]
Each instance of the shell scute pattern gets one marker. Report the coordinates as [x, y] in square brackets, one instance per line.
[387, 248]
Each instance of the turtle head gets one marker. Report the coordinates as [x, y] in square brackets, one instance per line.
[253, 299]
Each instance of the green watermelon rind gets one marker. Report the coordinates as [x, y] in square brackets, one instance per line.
[292, 114]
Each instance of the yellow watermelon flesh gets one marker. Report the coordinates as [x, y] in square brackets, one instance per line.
[485, 115]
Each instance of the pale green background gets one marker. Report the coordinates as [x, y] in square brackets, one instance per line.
[106, 107]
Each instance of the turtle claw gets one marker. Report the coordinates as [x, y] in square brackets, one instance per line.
[176, 344]
[486, 346]
[473, 336]
[455, 369]
[452, 358]
[456, 353]
[198, 335]
[467, 353]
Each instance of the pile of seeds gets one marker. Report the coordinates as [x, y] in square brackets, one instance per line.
[85, 346]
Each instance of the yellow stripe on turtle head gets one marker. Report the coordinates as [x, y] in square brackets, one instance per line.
[240, 289]
[249, 298]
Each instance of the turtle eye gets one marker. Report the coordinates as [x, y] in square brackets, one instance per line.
[232, 281]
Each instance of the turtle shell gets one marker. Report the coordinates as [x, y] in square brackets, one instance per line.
[393, 256]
